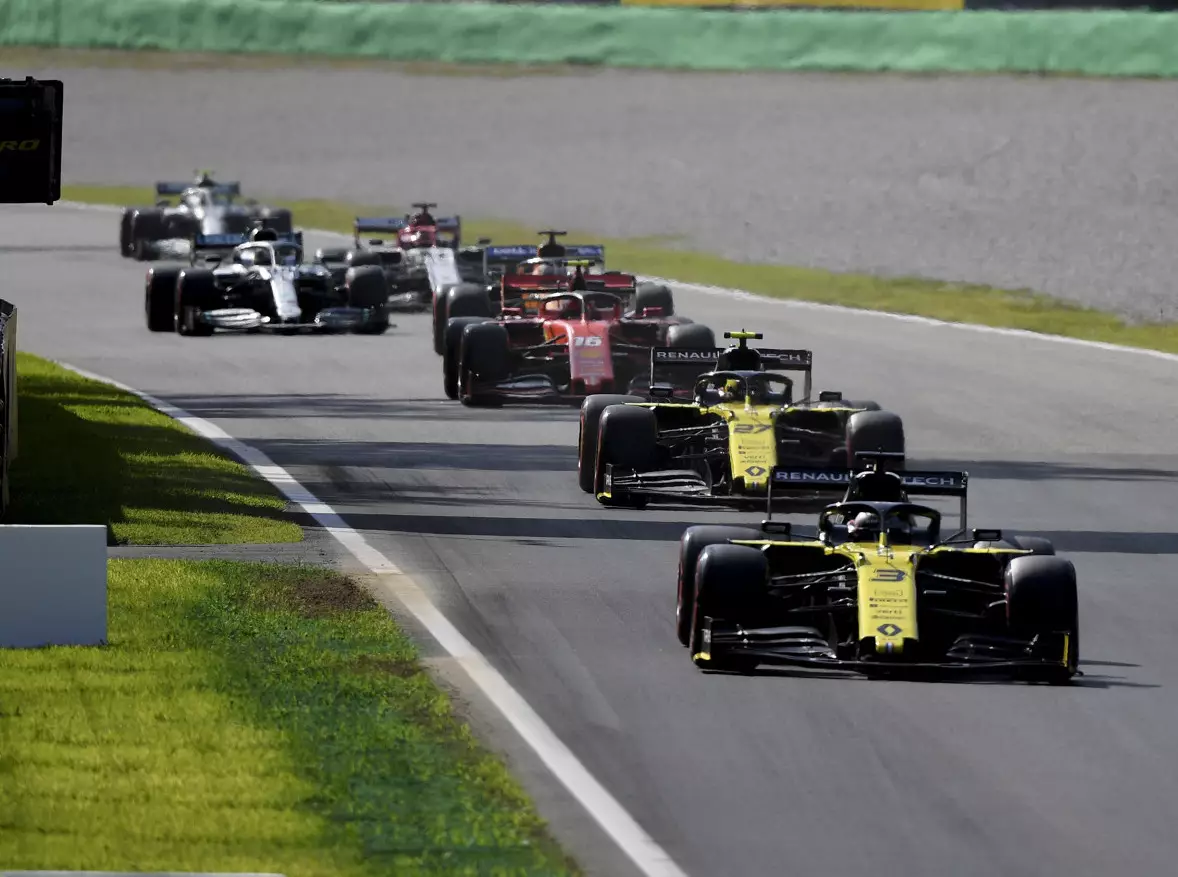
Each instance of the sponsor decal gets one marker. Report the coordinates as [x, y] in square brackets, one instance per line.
[685, 355]
[19, 145]
[755, 471]
[889, 575]
[890, 629]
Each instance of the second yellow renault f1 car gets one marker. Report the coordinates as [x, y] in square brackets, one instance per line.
[714, 438]
[880, 590]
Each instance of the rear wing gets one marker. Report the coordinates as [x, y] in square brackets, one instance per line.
[203, 243]
[175, 188]
[837, 480]
[678, 365]
[390, 225]
[515, 253]
[393, 224]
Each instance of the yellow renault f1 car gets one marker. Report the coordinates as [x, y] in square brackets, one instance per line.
[879, 590]
[713, 438]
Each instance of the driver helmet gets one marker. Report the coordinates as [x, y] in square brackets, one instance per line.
[546, 268]
[864, 527]
[731, 391]
[262, 257]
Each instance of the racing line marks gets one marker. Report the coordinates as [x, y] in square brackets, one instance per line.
[650, 859]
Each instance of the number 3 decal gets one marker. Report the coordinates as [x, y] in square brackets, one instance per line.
[586, 341]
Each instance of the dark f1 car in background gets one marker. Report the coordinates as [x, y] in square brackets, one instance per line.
[880, 590]
[417, 254]
[558, 338]
[740, 418]
[260, 282]
[520, 274]
[203, 207]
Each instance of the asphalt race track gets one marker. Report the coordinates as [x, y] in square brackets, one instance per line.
[1064, 186]
[775, 774]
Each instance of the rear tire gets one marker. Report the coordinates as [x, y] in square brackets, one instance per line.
[438, 313]
[691, 545]
[690, 335]
[366, 287]
[147, 228]
[590, 424]
[467, 300]
[126, 242]
[874, 431]
[159, 299]
[654, 295]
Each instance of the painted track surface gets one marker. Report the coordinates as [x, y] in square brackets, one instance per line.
[773, 774]
[1062, 186]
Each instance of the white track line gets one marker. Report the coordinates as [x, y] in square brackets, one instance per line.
[812, 306]
[651, 859]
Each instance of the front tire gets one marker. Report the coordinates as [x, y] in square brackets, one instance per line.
[590, 424]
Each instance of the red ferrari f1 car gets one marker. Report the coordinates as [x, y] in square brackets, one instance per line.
[562, 332]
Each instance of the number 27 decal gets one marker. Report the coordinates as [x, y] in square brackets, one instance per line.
[752, 427]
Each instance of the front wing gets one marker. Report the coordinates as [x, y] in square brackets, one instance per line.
[1045, 656]
[688, 487]
[338, 319]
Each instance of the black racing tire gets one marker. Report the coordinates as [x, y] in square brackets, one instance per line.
[126, 242]
[729, 584]
[485, 352]
[874, 431]
[438, 315]
[691, 544]
[627, 438]
[690, 335]
[452, 352]
[590, 423]
[654, 295]
[1042, 597]
[195, 292]
[159, 298]
[147, 227]
[467, 300]
[366, 287]
[331, 254]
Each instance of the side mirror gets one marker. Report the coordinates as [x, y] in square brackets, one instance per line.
[651, 312]
[662, 391]
[830, 396]
[986, 535]
[482, 242]
[779, 528]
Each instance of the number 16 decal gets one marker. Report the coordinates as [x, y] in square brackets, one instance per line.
[586, 341]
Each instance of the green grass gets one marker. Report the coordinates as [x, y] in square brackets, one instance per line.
[662, 257]
[249, 718]
[92, 454]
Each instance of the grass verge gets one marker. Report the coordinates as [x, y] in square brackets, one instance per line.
[953, 302]
[92, 454]
[248, 717]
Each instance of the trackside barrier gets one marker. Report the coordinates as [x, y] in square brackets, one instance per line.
[53, 585]
[1108, 43]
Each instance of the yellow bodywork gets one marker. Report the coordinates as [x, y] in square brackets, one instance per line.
[887, 594]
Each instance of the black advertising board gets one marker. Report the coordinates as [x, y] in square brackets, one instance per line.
[30, 140]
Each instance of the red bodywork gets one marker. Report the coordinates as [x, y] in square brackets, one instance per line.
[415, 236]
[582, 341]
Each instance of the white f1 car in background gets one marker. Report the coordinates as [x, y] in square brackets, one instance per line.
[260, 282]
[203, 207]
